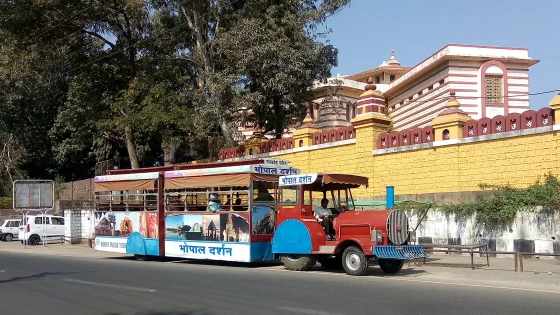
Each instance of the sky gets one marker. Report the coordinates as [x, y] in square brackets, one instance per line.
[366, 31]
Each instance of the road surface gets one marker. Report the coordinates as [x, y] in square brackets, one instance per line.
[35, 284]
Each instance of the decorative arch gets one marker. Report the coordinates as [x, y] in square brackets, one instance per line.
[483, 76]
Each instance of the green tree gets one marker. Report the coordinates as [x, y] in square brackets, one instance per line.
[273, 50]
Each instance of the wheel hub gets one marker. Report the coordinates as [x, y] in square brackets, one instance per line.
[353, 261]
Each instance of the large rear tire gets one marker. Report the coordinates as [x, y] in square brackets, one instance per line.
[354, 261]
[390, 265]
[298, 262]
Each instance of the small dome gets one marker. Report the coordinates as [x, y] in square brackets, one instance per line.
[393, 61]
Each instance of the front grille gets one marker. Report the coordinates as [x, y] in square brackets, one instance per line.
[397, 227]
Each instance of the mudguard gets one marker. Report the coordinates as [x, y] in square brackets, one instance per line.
[292, 237]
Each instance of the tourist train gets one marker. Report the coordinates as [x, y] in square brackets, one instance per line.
[248, 211]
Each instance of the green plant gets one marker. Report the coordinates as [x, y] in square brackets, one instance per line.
[507, 202]
[6, 203]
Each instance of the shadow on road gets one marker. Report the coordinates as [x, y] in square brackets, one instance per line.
[193, 312]
[39, 276]
[374, 269]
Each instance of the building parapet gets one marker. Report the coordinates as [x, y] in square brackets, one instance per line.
[512, 125]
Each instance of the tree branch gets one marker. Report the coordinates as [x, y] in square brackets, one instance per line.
[100, 37]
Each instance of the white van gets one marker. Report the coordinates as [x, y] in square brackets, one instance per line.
[9, 229]
[34, 231]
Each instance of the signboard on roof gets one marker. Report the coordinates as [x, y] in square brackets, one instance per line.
[276, 162]
[123, 177]
[259, 169]
[303, 179]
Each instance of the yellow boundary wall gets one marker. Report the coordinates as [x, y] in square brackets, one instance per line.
[517, 158]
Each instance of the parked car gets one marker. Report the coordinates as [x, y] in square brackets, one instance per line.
[34, 231]
[9, 229]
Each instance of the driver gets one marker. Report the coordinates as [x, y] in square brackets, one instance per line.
[323, 216]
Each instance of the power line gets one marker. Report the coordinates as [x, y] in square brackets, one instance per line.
[53, 27]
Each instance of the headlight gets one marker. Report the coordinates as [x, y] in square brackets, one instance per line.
[412, 236]
[377, 236]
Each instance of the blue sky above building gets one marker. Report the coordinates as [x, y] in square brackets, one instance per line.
[367, 31]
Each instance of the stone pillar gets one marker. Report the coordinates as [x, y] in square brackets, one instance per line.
[303, 135]
[369, 123]
[370, 120]
[449, 123]
[555, 104]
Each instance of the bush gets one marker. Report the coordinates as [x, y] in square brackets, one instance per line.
[507, 202]
[6, 203]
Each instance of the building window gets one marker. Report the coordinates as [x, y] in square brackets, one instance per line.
[392, 78]
[494, 89]
[377, 79]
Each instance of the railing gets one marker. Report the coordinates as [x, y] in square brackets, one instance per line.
[470, 249]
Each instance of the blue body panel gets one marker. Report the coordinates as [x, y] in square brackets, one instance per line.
[152, 246]
[135, 244]
[291, 237]
[261, 251]
[405, 252]
[390, 197]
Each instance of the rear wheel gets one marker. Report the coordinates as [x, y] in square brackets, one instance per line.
[8, 237]
[354, 261]
[390, 265]
[332, 263]
[34, 240]
[298, 262]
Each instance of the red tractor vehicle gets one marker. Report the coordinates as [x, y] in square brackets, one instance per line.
[334, 233]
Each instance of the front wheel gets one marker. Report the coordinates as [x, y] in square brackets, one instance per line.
[298, 262]
[8, 237]
[354, 261]
[390, 265]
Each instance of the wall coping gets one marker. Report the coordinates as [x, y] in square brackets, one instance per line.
[494, 136]
[295, 150]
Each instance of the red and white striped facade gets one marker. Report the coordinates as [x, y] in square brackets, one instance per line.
[417, 97]
[488, 81]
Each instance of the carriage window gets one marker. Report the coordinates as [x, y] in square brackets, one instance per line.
[126, 200]
[200, 199]
[307, 198]
[263, 220]
[263, 191]
[289, 195]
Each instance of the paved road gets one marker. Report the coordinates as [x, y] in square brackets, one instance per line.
[33, 284]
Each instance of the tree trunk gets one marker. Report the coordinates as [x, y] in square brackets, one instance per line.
[278, 119]
[130, 148]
